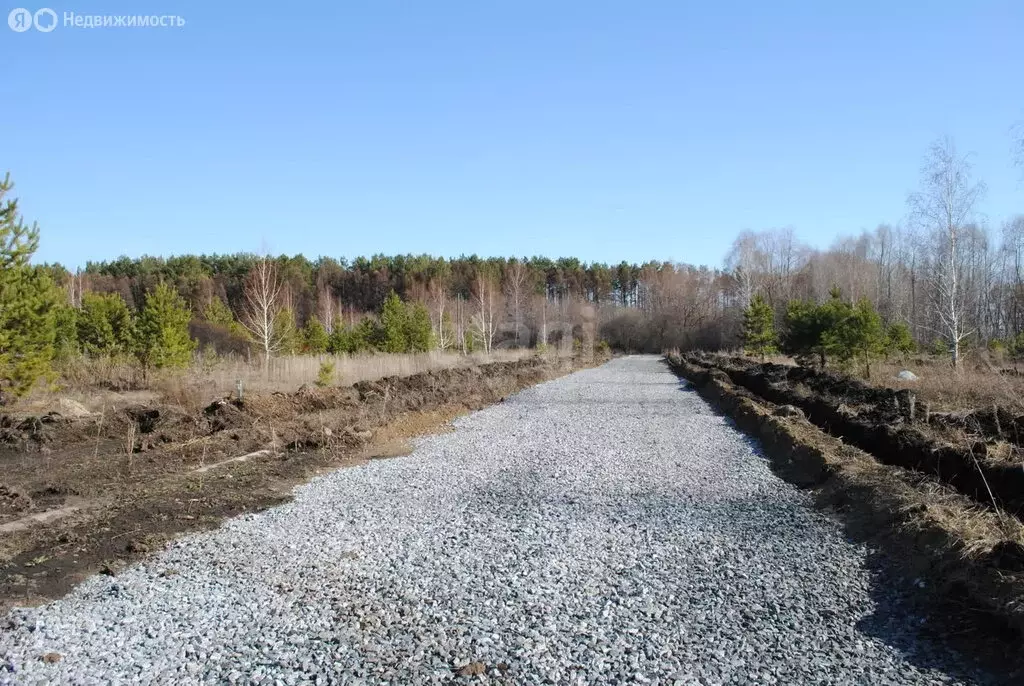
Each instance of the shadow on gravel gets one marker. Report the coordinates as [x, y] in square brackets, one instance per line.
[930, 633]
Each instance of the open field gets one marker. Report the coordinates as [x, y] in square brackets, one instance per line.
[81, 494]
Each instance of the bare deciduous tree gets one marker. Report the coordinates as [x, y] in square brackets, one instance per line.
[743, 261]
[263, 307]
[515, 282]
[485, 300]
[461, 326]
[944, 206]
[437, 296]
[326, 306]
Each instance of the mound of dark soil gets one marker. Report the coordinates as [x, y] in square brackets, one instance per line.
[112, 487]
[889, 425]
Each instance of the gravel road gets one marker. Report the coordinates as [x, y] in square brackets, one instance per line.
[603, 528]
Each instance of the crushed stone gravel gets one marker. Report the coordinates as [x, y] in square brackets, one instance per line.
[603, 528]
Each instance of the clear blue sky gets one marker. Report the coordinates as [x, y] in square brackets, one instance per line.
[604, 130]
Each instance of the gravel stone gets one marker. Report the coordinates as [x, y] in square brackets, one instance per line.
[603, 528]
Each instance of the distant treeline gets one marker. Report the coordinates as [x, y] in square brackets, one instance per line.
[473, 302]
[361, 284]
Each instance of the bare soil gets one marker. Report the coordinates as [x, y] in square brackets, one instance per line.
[849, 443]
[973, 450]
[962, 560]
[87, 494]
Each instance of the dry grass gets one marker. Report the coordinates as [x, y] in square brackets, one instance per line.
[288, 373]
[98, 383]
[978, 383]
[978, 529]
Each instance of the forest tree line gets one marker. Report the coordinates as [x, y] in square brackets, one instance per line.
[950, 279]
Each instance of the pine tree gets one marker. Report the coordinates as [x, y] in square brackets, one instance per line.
[899, 338]
[28, 297]
[65, 342]
[759, 328]
[339, 341]
[217, 312]
[419, 329]
[368, 336]
[394, 322]
[163, 339]
[314, 337]
[857, 337]
[105, 325]
[807, 324]
[18, 242]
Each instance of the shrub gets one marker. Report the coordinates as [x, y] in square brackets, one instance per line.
[363, 337]
[997, 349]
[219, 337]
[325, 375]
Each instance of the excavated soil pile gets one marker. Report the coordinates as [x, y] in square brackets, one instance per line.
[867, 454]
[81, 494]
[894, 427]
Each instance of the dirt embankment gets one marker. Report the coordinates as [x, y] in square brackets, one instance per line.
[87, 494]
[897, 429]
[969, 555]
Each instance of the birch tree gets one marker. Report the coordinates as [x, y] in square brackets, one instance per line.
[262, 307]
[515, 282]
[485, 301]
[943, 206]
[742, 261]
[326, 310]
[437, 296]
